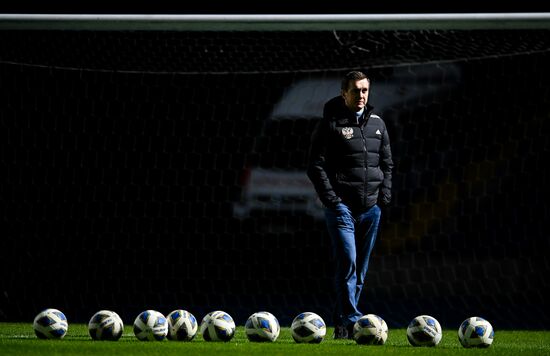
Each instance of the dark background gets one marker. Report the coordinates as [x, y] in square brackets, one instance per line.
[122, 155]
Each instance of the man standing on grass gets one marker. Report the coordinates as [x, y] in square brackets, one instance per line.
[351, 169]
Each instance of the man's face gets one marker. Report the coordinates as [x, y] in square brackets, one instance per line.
[356, 95]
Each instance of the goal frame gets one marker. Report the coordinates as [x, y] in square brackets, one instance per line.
[276, 22]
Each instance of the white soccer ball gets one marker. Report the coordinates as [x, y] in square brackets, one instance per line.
[50, 324]
[217, 326]
[262, 326]
[476, 332]
[308, 327]
[150, 325]
[370, 329]
[105, 325]
[424, 330]
[182, 325]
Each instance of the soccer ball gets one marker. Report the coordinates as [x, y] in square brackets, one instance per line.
[50, 324]
[217, 326]
[150, 325]
[262, 326]
[424, 330]
[308, 327]
[370, 329]
[182, 325]
[476, 332]
[105, 325]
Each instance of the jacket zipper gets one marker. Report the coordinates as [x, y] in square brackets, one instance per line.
[365, 190]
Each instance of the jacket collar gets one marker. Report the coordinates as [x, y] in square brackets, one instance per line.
[350, 118]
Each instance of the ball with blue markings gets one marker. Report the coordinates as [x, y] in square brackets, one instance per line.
[50, 324]
[476, 332]
[308, 328]
[106, 325]
[370, 329]
[182, 325]
[424, 330]
[150, 325]
[262, 327]
[217, 326]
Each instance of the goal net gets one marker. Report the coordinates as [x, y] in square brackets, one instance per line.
[165, 169]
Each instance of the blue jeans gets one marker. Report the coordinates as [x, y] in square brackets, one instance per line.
[353, 236]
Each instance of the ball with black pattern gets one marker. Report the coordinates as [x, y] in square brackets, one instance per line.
[106, 325]
[50, 324]
[182, 325]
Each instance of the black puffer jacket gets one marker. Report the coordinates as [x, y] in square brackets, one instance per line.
[348, 162]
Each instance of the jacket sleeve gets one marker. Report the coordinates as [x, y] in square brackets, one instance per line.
[386, 165]
[317, 165]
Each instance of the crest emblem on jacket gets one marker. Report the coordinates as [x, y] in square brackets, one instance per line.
[347, 132]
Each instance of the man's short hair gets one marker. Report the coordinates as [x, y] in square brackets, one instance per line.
[353, 76]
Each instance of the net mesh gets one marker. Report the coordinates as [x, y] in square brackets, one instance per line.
[163, 170]
[208, 52]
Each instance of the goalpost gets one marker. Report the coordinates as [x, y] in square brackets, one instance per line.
[277, 22]
[157, 162]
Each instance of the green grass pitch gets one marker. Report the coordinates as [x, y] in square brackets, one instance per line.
[19, 339]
